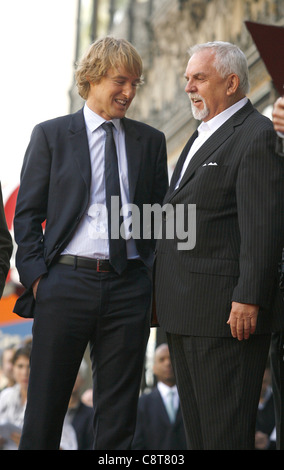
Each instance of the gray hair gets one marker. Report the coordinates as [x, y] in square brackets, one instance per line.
[228, 59]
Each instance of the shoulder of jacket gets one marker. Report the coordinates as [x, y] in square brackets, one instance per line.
[60, 120]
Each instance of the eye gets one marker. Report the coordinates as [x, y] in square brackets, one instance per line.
[201, 77]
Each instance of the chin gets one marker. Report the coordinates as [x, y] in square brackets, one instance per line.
[199, 114]
[119, 115]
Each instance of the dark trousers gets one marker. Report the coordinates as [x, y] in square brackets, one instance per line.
[219, 382]
[74, 307]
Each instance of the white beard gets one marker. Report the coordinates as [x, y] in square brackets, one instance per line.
[198, 114]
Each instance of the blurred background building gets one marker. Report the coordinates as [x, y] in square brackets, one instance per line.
[162, 31]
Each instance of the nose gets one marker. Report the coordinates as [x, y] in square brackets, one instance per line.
[168, 362]
[190, 87]
[129, 91]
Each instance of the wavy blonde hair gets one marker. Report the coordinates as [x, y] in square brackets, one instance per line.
[102, 55]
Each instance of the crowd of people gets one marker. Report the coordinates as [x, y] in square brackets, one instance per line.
[77, 431]
[89, 277]
[159, 424]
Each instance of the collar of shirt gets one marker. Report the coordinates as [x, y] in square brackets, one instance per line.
[164, 389]
[213, 124]
[94, 121]
[206, 129]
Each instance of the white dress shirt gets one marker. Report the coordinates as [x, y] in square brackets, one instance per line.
[164, 390]
[206, 129]
[91, 237]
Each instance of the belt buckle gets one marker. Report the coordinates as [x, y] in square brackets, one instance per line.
[98, 267]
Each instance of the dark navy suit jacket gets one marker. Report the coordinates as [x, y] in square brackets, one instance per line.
[154, 431]
[55, 186]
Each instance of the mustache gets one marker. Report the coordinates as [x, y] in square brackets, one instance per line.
[195, 96]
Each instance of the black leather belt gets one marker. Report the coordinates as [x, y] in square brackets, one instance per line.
[99, 265]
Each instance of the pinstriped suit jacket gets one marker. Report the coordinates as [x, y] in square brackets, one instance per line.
[239, 232]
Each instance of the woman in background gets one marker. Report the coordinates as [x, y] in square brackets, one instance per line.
[13, 405]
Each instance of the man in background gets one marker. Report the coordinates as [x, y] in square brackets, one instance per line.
[159, 421]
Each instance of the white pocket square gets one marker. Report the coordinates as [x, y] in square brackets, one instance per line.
[211, 163]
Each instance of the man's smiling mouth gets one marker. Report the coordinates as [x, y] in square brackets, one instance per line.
[195, 98]
[121, 102]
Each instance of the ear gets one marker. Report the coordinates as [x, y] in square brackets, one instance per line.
[233, 83]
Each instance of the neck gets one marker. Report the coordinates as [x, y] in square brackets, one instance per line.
[238, 96]
[169, 383]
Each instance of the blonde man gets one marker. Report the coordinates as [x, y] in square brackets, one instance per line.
[80, 286]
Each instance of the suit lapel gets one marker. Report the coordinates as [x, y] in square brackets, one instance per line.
[134, 155]
[80, 146]
[160, 407]
[210, 146]
[81, 153]
[181, 161]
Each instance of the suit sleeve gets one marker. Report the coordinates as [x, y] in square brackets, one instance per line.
[6, 246]
[260, 202]
[31, 209]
